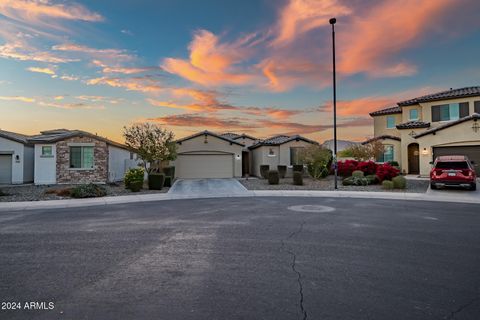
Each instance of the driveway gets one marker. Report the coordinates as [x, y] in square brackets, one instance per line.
[456, 192]
[245, 258]
[207, 187]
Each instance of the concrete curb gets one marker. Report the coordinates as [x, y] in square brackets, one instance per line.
[76, 203]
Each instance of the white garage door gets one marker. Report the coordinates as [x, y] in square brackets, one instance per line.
[204, 166]
[5, 169]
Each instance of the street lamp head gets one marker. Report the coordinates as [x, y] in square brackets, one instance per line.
[333, 21]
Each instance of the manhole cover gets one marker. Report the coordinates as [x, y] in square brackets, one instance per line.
[311, 208]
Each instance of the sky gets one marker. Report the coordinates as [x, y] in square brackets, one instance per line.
[261, 67]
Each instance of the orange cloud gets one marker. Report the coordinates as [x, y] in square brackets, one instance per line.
[212, 62]
[301, 16]
[17, 98]
[142, 84]
[41, 70]
[117, 55]
[370, 42]
[20, 51]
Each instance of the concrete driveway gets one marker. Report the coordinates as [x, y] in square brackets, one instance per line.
[456, 192]
[207, 187]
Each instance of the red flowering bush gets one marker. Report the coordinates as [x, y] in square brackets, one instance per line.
[367, 167]
[386, 172]
[345, 168]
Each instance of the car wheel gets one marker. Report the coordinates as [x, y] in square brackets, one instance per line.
[473, 187]
[433, 186]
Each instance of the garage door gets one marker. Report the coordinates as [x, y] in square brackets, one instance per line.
[472, 152]
[5, 169]
[204, 166]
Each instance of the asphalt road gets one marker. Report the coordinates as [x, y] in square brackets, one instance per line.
[244, 258]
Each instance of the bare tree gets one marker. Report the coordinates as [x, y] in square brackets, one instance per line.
[369, 151]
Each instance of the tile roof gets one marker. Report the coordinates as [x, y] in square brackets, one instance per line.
[448, 94]
[235, 136]
[18, 137]
[473, 117]
[413, 125]
[389, 110]
[385, 136]
[280, 139]
[206, 132]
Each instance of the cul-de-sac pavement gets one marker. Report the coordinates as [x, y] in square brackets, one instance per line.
[244, 258]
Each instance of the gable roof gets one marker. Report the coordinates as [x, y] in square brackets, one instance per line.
[473, 117]
[206, 132]
[235, 136]
[383, 137]
[280, 139]
[17, 137]
[51, 136]
[389, 110]
[448, 94]
[413, 125]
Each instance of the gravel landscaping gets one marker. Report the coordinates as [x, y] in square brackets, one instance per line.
[36, 193]
[327, 184]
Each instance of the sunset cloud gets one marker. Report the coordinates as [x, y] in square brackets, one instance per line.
[17, 98]
[18, 51]
[141, 84]
[41, 70]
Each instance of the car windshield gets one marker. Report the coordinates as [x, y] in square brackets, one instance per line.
[452, 165]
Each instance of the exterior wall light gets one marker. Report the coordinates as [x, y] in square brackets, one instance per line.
[206, 139]
[425, 152]
[475, 126]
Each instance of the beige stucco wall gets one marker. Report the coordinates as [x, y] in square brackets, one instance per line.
[246, 141]
[213, 145]
[461, 134]
[406, 113]
[427, 108]
[380, 125]
[407, 139]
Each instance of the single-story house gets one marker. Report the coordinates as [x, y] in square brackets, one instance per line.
[210, 155]
[416, 131]
[16, 158]
[64, 156]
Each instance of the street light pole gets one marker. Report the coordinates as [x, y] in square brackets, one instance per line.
[335, 164]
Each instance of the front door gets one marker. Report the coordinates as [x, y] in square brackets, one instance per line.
[413, 158]
[245, 163]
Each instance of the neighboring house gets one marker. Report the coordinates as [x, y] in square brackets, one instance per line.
[16, 158]
[72, 156]
[278, 150]
[416, 131]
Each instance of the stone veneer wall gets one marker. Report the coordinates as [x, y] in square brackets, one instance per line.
[99, 173]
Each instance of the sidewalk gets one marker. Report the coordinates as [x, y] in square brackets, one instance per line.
[461, 197]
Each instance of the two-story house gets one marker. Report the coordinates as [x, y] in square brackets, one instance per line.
[416, 131]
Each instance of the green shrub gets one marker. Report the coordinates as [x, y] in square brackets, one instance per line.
[355, 181]
[264, 168]
[136, 186]
[393, 163]
[298, 168]
[273, 177]
[88, 191]
[372, 179]
[297, 178]
[2, 193]
[317, 160]
[399, 182]
[387, 184]
[358, 173]
[169, 171]
[282, 171]
[133, 175]
[167, 182]
[155, 181]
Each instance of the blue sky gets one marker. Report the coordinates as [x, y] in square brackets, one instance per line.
[259, 67]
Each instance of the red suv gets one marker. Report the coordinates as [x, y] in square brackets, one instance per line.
[453, 171]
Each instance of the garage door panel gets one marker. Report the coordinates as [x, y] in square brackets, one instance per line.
[195, 166]
[5, 169]
[472, 152]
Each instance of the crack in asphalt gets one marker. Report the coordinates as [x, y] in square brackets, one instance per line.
[461, 308]
[293, 266]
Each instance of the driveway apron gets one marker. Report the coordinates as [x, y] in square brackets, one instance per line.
[207, 187]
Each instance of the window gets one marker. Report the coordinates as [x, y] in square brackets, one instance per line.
[476, 107]
[81, 157]
[390, 122]
[295, 155]
[447, 112]
[271, 152]
[387, 154]
[47, 151]
[413, 115]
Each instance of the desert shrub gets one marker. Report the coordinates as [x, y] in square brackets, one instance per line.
[264, 168]
[167, 182]
[297, 178]
[64, 192]
[355, 181]
[282, 170]
[88, 191]
[317, 160]
[155, 181]
[345, 168]
[134, 175]
[362, 152]
[2, 193]
[372, 179]
[298, 168]
[169, 171]
[399, 182]
[358, 173]
[367, 167]
[273, 177]
[388, 185]
[386, 172]
[136, 186]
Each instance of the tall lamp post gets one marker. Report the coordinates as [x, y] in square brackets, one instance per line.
[335, 164]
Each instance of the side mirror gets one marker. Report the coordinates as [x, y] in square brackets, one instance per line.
[431, 162]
